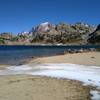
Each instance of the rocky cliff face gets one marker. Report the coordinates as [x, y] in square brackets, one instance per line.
[94, 37]
[62, 33]
[43, 27]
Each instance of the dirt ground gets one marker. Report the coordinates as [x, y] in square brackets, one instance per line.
[22, 87]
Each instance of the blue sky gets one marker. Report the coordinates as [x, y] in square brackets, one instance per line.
[22, 15]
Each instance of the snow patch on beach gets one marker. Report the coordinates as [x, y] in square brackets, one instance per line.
[19, 68]
[95, 95]
[89, 75]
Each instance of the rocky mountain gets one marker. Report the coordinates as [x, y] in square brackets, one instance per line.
[6, 37]
[62, 33]
[94, 37]
[44, 27]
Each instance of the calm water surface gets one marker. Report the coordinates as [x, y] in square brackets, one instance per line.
[14, 55]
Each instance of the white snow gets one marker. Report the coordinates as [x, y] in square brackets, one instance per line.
[95, 95]
[44, 24]
[89, 75]
[19, 68]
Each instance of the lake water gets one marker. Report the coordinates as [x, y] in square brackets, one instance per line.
[14, 55]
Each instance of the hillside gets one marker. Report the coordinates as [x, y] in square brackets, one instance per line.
[48, 33]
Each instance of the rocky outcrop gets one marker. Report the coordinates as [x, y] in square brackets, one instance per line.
[94, 37]
[62, 33]
[43, 27]
[7, 36]
[83, 28]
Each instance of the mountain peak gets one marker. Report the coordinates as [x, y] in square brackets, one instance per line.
[44, 27]
[45, 23]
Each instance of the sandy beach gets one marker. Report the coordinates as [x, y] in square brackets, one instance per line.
[30, 87]
[41, 88]
[87, 58]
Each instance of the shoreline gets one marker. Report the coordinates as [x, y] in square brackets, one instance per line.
[32, 86]
[89, 58]
[84, 58]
